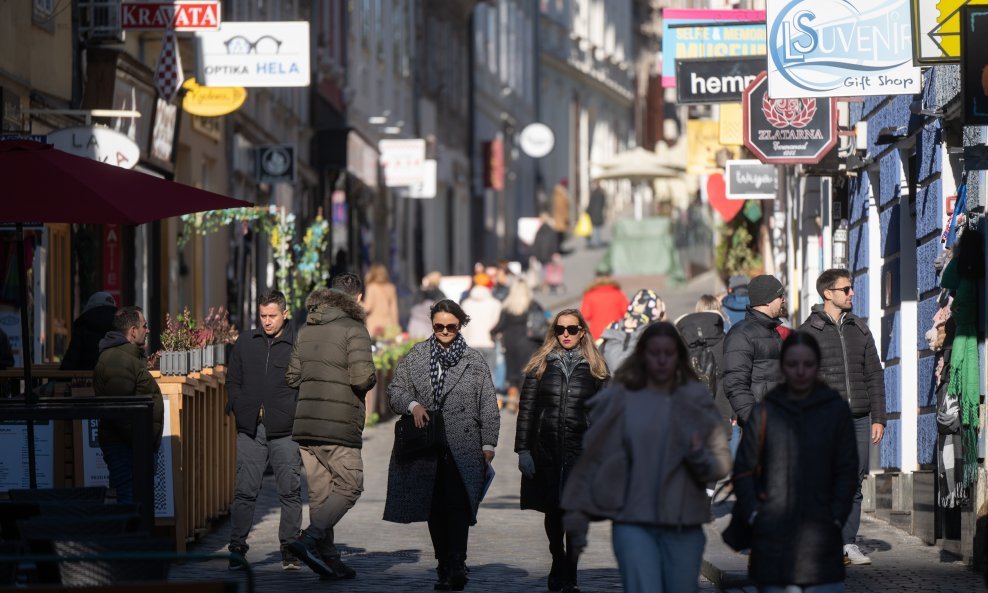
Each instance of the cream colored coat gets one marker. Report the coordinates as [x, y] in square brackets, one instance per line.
[596, 487]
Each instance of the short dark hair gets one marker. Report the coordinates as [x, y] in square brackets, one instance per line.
[127, 318]
[347, 282]
[273, 297]
[800, 339]
[450, 306]
[830, 277]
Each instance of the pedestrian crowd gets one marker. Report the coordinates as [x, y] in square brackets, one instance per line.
[622, 415]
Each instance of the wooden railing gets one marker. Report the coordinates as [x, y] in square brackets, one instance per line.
[193, 487]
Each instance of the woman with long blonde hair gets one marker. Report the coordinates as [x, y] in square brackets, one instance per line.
[520, 330]
[380, 301]
[563, 374]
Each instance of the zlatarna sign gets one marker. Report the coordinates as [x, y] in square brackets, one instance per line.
[787, 131]
[840, 48]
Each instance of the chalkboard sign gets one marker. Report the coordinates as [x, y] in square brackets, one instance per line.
[751, 180]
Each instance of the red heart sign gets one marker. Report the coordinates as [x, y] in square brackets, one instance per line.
[717, 195]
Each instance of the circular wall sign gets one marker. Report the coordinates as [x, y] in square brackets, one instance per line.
[537, 140]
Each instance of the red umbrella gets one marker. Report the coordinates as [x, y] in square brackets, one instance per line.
[42, 184]
[47, 185]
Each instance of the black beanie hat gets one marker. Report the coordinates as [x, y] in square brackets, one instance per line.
[764, 289]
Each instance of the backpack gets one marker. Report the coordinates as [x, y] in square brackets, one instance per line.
[536, 324]
[703, 361]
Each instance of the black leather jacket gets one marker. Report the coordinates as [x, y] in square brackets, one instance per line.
[552, 417]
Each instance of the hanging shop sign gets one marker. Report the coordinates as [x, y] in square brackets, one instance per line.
[212, 101]
[262, 54]
[787, 131]
[98, 143]
[402, 161]
[839, 48]
[493, 152]
[700, 33]
[275, 163]
[537, 140]
[715, 80]
[427, 188]
[974, 65]
[936, 30]
[751, 180]
[201, 15]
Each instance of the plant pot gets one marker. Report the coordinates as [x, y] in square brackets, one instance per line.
[174, 363]
[195, 360]
[208, 356]
[220, 354]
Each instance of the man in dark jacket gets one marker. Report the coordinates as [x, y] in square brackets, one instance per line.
[264, 407]
[333, 368]
[595, 210]
[122, 371]
[88, 329]
[752, 347]
[850, 364]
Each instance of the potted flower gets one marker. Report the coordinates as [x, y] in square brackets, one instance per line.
[222, 333]
[176, 342]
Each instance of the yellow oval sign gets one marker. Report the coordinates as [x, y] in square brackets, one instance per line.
[212, 101]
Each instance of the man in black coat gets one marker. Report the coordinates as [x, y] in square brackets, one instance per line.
[752, 347]
[264, 406]
[88, 329]
[850, 364]
[595, 210]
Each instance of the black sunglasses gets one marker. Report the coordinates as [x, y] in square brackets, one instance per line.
[449, 327]
[845, 289]
[572, 329]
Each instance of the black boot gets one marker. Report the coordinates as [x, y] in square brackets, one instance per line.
[557, 573]
[442, 574]
[458, 577]
[569, 581]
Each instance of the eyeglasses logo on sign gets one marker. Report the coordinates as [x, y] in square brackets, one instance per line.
[840, 47]
[264, 45]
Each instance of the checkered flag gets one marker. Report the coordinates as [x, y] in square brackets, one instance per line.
[168, 76]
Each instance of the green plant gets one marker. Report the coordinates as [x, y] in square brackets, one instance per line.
[737, 252]
[372, 419]
[387, 354]
[179, 333]
[220, 328]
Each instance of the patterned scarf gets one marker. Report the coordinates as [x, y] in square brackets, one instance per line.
[440, 361]
[644, 308]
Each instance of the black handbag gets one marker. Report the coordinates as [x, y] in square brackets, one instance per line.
[739, 532]
[412, 442]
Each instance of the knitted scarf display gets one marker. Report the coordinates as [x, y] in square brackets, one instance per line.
[440, 361]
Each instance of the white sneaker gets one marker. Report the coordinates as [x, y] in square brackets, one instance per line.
[853, 555]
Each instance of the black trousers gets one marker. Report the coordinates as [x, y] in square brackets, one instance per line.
[451, 514]
[560, 544]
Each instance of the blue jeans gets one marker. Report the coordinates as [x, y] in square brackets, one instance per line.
[734, 441]
[658, 559]
[862, 431]
[826, 588]
[119, 460]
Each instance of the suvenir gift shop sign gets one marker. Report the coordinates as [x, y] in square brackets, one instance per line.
[840, 48]
[262, 54]
[182, 16]
[787, 131]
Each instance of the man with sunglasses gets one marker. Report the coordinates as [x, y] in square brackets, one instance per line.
[850, 364]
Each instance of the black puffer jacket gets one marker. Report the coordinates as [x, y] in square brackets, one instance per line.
[705, 330]
[255, 377]
[87, 331]
[552, 417]
[809, 463]
[751, 362]
[850, 362]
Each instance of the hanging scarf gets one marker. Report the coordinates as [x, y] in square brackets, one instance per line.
[440, 361]
[644, 308]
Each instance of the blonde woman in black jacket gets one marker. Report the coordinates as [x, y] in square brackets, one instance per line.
[565, 372]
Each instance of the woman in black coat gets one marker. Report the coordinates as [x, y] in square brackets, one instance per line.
[795, 476]
[565, 372]
[516, 335]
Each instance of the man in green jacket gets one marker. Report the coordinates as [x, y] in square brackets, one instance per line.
[333, 368]
[122, 371]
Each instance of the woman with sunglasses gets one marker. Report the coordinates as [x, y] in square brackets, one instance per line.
[565, 372]
[444, 374]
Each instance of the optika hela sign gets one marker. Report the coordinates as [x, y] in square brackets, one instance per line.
[834, 48]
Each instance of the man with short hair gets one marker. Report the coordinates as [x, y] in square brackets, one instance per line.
[752, 347]
[121, 370]
[333, 368]
[850, 364]
[264, 407]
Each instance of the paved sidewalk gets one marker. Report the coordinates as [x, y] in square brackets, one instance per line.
[508, 550]
[901, 563]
